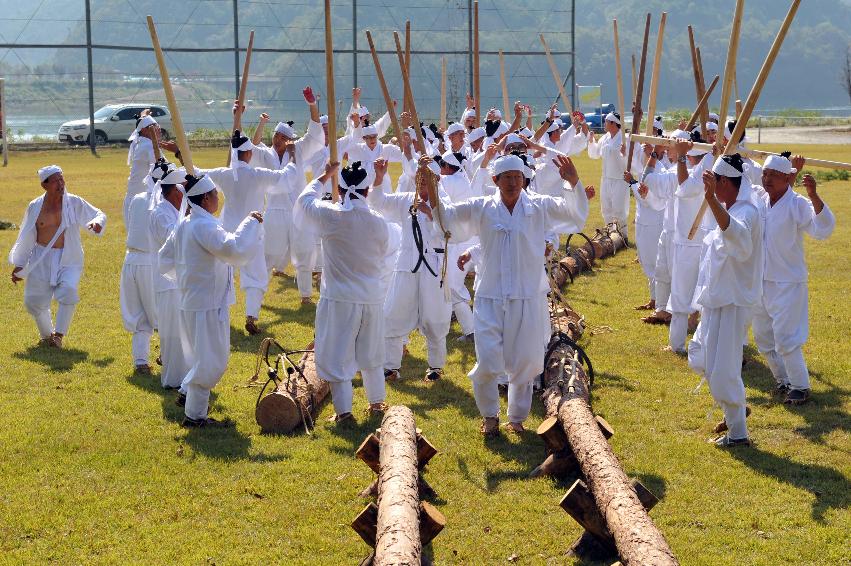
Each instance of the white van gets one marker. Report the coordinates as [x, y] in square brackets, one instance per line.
[113, 122]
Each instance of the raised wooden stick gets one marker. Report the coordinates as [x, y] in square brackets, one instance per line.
[700, 105]
[476, 84]
[443, 123]
[556, 76]
[639, 92]
[631, 94]
[698, 85]
[176, 121]
[704, 110]
[408, 94]
[738, 108]
[331, 95]
[654, 79]
[618, 70]
[391, 109]
[243, 86]
[405, 107]
[747, 109]
[752, 153]
[505, 105]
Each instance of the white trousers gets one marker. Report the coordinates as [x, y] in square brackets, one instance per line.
[175, 347]
[662, 271]
[278, 234]
[509, 340]
[716, 352]
[614, 202]
[416, 301]
[209, 339]
[684, 270]
[254, 280]
[307, 258]
[350, 336]
[138, 307]
[647, 244]
[781, 328]
[48, 281]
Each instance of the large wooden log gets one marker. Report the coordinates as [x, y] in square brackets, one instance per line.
[398, 534]
[297, 398]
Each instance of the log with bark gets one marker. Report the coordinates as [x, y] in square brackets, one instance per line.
[297, 396]
[606, 242]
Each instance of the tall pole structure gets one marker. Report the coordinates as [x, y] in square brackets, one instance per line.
[470, 40]
[5, 137]
[236, 48]
[354, 43]
[92, 137]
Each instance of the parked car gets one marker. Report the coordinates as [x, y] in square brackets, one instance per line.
[113, 122]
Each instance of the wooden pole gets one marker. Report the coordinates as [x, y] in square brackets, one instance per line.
[752, 153]
[407, 82]
[506, 108]
[729, 70]
[443, 123]
[331, 99]
[176, 121]
[405, 107]
[243, 86]
[704, 110]
[632, 94]
[3, 122]
[556, 76]
[701, 103]
[384, 91]
[618, 70]
[639, 93]
[738, 108]
[698, 87]
[654, 80]
[476, 81]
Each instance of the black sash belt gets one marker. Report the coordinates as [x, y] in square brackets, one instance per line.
[418, 241]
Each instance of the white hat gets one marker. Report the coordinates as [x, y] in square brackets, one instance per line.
[45, 172]
[199, 185]
[610, 117]
[779, 163]
[453, 159]
[363, 111]
[507, 163]
[556, 125]
[714, 116]
[323, 119]
[285, 129]
[512, 139]
[369, 131]
[711, 127]
[476, 134]
[469, 113]
[453, 128]
[724, 169]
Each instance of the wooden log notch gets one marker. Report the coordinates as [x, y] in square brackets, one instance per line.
[606, 242]
[296, 399]
[400, 524]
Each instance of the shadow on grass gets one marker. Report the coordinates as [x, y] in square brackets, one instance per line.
[604, 378]
[59, 360]
[831, 489]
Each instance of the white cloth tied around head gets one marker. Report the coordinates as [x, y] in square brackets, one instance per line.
[779, 163]
[610, 117]
[507, 163]
[144, 122]
[45, 172]
[285, 129]
[724, 169]
[234, 156]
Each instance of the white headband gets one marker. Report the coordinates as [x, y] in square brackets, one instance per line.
[513, 139]
[204, 185]
[234, 155]
[714, 116]
[496, 113]
[658, 124]
[285, 129]
[174, 177]
[476, 134]
[527, 132]
[453, 128]
[680, 134]
[695, 151]
[323, 119]
[470, 113]
[556, 125]
[369, 131]
[363, 111]
[610, 117]
[779, 163]
[45, 172]
[508, 163]
[724, 169]
[712, 126]
[451, 159]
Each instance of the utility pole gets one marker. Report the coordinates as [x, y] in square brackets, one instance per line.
[354, 43]
[236, 48]
[92, 136]
[470, 40]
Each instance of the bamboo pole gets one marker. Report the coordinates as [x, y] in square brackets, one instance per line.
[752, 153]
[698, 86]
[704, 110]
[750, 103]
[405, 107]
[332, 97]
[391, 109]
[476, 79]
[505, 105]
[632, 94]
[618, 70]
[408, 94]
[701, 103]
[443, 123]
[243, 87]
[639, 93]
[738, 108]
[556, 76]
[654, 80]
[176, 120]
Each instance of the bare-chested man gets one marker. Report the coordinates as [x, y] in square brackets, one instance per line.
[49, 254]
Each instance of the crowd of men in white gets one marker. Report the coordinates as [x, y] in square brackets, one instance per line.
[506, 194]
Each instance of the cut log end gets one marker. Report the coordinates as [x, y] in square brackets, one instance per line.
[278, 412]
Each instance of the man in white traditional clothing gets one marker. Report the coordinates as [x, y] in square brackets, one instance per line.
[175, 349]
[729, 286]
[143, 153]
[415, 298]
[512, 225]
[614, 192]
[49, 254]
[203, 254]
[286, 148]
[381, 125]
[349, 317]
[244, 188]
[781, 318]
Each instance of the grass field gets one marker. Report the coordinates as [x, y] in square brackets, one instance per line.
[95, 468]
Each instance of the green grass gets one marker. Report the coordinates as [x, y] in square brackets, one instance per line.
[95, 468]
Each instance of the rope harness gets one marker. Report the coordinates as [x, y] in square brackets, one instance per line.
[426, 179]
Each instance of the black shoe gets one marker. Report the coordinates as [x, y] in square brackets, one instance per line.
[503, 389]
[433, 374]
[780, 390]
[181, 400]
[797, 397]
[727, 442]
[207, 423]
